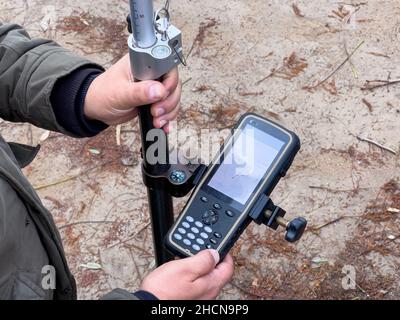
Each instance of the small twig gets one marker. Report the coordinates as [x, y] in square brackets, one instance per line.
[317, 228]
[130, 246]
[336, 190]
[337, 68]
[268, 55]
[375, 84]
[186, 81]
[84, 222]
[272, 73]
[353, 68]
[244, 93]
[354, 4]
[368, 104]
[61, 181]
[131, 237]
[389, 77]
[377, 144]
[378, 54]
[254, 94]
[55, 183]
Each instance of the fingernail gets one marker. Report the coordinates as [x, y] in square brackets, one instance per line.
[167, 128]
[215, 255]
[159, 112]
[155, 92]
[163, 123]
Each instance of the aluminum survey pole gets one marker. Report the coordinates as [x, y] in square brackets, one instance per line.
[142, 19]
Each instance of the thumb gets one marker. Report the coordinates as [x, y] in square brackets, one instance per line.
[202, 263]
[142, 93]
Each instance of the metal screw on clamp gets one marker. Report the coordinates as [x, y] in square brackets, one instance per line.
[177, 176]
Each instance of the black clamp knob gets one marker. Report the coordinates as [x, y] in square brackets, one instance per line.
[295, 229]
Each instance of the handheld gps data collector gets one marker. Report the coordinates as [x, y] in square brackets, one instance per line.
[249, 165]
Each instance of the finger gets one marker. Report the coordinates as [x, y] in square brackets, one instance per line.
[164, 107]
[171, 80]
[226, 265]
[135, 94]
[167, 128]
[170, 126]
[201, 264]
[217, 279]
[223, 272]
[162, 121]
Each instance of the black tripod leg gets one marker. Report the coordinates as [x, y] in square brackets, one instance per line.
[160, 206]
[160, 200]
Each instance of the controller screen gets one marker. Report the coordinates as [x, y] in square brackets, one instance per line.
[246, 163]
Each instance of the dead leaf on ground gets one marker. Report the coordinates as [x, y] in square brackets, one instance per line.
[201, 34]
[330, 86]
[94, 151]
[292, 67]
[201, 88]
[91, 266]
[297, 11]
[44, 136]
[341, 12]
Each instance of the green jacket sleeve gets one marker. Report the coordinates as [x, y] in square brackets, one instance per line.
[119, 294]
[29, 68]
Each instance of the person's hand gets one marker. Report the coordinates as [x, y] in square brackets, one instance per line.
[195, 278]
[113, 97]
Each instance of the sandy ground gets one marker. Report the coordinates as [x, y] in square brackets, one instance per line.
[276, 58]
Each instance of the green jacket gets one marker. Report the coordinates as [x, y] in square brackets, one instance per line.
[29, 239]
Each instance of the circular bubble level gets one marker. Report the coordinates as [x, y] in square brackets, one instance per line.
[161, 52]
